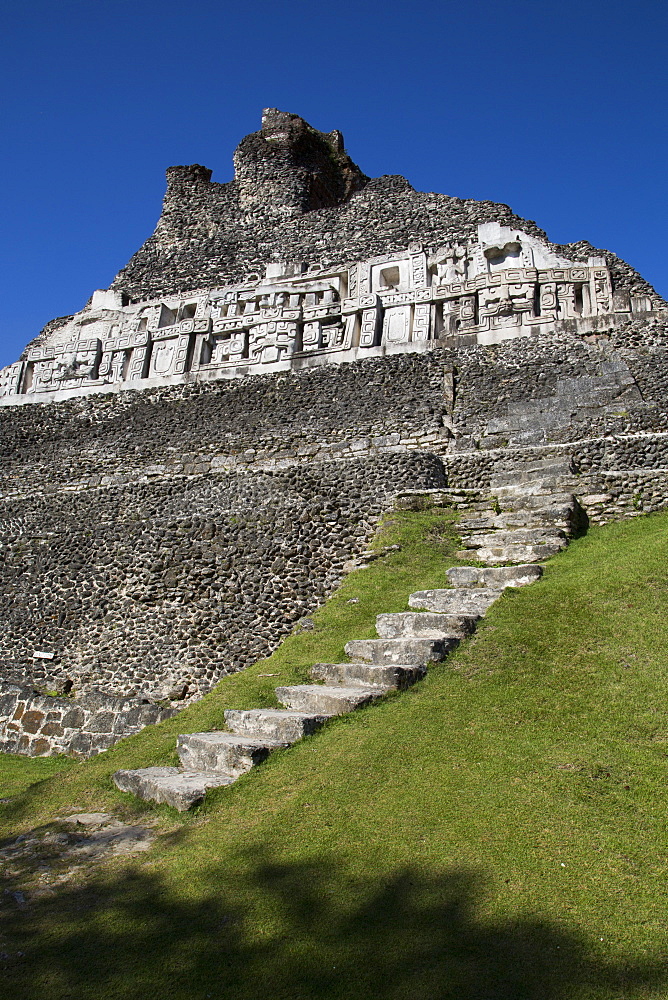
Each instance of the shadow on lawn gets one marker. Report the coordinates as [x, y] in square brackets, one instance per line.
[305, 932]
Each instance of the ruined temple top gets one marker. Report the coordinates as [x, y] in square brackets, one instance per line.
[302, 259]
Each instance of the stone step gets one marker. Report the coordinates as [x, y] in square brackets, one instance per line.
[326, 699]
[485, 523]
[170, 785]
[523, 536]
[508, 501]
[502, 554]
[394, 677]
[501, 576]
[523, 475]
[424, 625]
[420, 651]
[227, 753]
[273, 723]
[541, 486]
[464, 601]
[558, 517]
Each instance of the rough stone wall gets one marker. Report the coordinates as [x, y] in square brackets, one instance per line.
[158, 590]
[183, 429]
[563, 388]
[122, 514]
[39, 725]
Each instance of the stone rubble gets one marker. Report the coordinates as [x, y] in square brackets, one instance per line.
[407, 643]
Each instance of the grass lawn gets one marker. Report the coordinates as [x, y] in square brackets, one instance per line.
[496, 833]
[18, 773]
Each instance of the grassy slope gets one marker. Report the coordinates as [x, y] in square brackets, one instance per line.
[497, 832]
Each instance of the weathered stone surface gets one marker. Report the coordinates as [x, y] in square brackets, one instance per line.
[498, 577]
[156, 540]
[523, 536]
[321, 699]
[170, 785]
[187, 578]
[397, 677]
[39, 725]
[419, 651]
[557, 517]
[228, 753]
[462, 601]
[87, 819]
[500, 554]
[424, 625]
[273, 724]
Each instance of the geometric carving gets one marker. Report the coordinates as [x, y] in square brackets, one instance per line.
[312, 336]
[272, 341]
[10, 379]
[370, 326]
[396, 325]
[229, 347]
[503, 284]
[421, 322]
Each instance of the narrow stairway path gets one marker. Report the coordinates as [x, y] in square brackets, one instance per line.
[509, 537]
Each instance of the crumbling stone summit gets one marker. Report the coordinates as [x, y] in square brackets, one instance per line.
[303, 260]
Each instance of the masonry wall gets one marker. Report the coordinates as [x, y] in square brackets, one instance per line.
[152, 542]
[158, 590]
[39, 725]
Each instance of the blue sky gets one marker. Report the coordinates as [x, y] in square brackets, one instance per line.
[559, 110]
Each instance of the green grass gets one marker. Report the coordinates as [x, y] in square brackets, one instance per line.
[499, 831]
[19, 773]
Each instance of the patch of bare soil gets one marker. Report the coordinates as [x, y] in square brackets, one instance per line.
[35, 863]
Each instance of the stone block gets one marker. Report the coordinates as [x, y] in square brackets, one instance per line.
[459, 601]
[321, 699]
[52, 729]
[400, 651]
[32, 720]
[169, 785]
[102, 741]
[396, 677]
[499, 555]
[81, 744]
[523, 536]
[228, 753]
[273, 724]
[74, 718]
[502, 576]
[101, 722]
[424, 625]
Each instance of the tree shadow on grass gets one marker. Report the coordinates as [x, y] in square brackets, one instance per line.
[299, 930]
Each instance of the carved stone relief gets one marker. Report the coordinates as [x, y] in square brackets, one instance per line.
[503, 283]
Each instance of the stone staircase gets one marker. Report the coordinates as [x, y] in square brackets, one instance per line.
[510, 535]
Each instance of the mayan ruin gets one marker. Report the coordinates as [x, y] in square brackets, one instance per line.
[193, 462]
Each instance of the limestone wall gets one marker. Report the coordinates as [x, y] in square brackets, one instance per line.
[158, 590]
[152, 542]
[39, 725]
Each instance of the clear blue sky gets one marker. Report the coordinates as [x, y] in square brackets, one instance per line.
[558, 110]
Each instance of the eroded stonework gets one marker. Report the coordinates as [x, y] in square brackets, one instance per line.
[203, 469]
[502, 284]
[305, 225]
